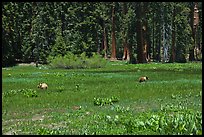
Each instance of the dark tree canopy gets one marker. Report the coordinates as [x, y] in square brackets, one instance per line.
[138, 32]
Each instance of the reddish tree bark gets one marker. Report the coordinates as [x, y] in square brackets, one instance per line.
[126, 52]
[146, 31]
[113, 49]
[141, 48]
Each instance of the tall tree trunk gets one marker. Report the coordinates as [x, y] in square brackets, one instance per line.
[148, 44]
[153, 35]
[97, 43]
[145, 46]
[124, 33]
[127, 47]
[124, 50]
[158, 46]
[165, 46]
[140, 42]
[146, 33]
[105, 42]
[127, 54]
[194, 25]
[113, 49]
[173, 50]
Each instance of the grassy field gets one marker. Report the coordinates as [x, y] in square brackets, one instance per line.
[81, 101]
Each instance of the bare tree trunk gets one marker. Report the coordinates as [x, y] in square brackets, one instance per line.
[173, 46]
[148, 45]
[173, 50]
[140, 42]
[158, 46]
[127, 53]
[113, 50]
[127, 47]
[153, 35]
[145, 46]
[105, 42]
[124, 50]
[124, 33]
[194, 25]
[145, 33]
[97, 43]
[165, 46]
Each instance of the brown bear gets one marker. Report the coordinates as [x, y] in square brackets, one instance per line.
[43, 86]
[142, 79]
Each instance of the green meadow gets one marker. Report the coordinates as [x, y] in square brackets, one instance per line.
[103, 101]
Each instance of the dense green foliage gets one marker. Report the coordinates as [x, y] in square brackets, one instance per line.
[32, 31]
[103, 101]
[25, 92]
[72, 61]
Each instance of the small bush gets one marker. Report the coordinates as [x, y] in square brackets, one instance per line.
[104, 101]
[60, 88]
[45, 131]
[72, 61]
[96, 61]
[180, 122]
[30, 93]
[25, 92]
[10, 93]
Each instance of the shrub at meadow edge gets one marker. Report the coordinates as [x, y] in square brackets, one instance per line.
[71, 61]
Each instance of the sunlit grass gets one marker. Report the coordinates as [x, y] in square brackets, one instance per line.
[169, 84]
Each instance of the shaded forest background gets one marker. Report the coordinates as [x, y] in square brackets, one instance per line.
[138, 32]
